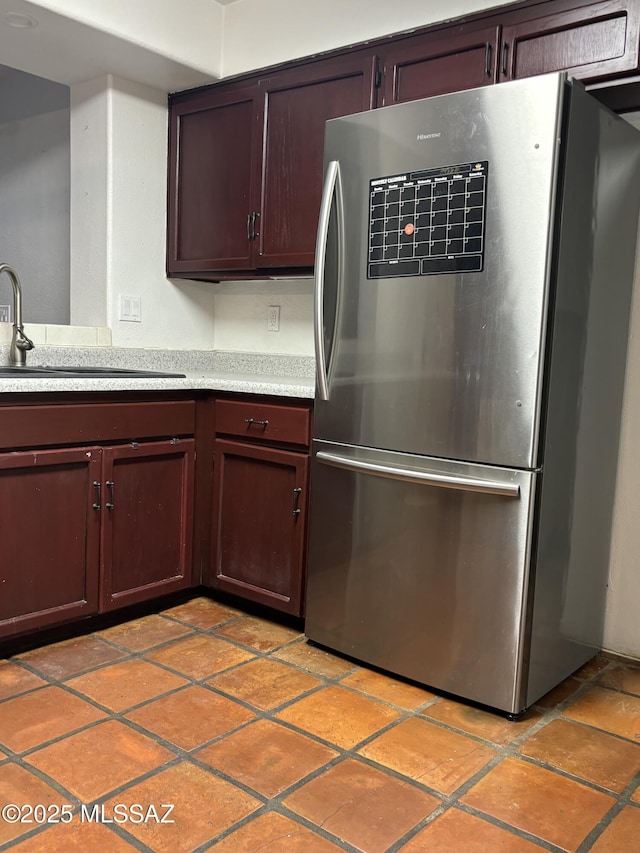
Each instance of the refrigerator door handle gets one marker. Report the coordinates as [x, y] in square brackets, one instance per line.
[448, 481]
[332, 188]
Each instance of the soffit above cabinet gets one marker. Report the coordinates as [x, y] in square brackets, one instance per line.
[67, 50]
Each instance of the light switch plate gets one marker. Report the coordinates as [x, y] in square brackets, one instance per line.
[5, 313]
[130, 309]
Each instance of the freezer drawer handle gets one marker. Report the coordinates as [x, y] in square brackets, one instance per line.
[447, 481]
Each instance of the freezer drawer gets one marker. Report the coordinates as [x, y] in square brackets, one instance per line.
[420, 567]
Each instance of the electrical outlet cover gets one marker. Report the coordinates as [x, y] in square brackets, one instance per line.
[273, 318]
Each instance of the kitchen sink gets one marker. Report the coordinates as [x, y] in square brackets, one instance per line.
[13, 370]
[81, 372]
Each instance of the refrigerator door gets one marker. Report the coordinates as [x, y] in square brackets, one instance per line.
[425, 570]
[430, 308]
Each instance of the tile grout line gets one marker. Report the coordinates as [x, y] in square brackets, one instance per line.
[275, 803]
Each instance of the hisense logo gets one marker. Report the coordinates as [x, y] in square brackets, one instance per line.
[422, 136]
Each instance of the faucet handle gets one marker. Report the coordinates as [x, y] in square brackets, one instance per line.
[24, 343]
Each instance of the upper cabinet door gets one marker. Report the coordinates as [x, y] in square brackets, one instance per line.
[590, 42]
[447, 60]
[295, 105]
[212, 171]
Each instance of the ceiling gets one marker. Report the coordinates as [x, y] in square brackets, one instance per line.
[66, 50]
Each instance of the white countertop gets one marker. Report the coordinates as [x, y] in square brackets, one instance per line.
[281, 386]
[247, 373]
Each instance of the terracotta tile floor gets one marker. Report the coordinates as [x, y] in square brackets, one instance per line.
[261, 742]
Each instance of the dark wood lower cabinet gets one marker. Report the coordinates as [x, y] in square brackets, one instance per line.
[260, 500]
[147, 521]
[49, 537]
[91, 527]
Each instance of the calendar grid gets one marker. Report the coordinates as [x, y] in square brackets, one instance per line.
[428, 222]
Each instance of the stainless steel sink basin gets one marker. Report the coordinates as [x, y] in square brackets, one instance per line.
[15, 371]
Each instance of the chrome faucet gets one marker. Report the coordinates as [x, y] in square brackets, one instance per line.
[20, 343]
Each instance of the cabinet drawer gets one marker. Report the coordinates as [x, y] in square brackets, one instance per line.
[74, 423]
[263, 421]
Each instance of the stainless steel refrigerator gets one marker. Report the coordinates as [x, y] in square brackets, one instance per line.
[474, 270]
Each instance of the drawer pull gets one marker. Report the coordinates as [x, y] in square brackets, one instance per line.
[252, 421]
[296, 500]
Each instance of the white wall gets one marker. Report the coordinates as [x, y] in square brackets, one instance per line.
[157, 42]
[240, 316]
[622, 625]
[34, 188]
[90, 207]
[118, 220]
[263, 32]
[189, 32]
[622, 622]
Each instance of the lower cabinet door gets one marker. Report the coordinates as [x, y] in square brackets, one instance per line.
[147, 521]
[49, 537]
[260, 498]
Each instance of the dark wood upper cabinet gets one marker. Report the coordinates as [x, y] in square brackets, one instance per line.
[212, 180]
[296, 106]
[245, 167]
[246, 157]
[440, 62]
[591, 41]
